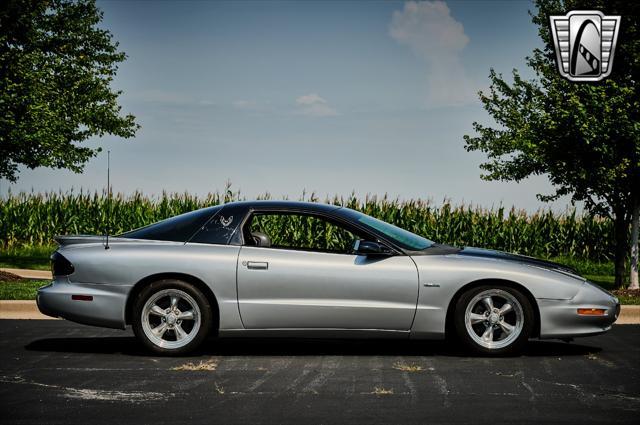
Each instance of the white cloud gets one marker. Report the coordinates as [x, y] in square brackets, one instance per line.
[310, 99]
[245, 104]
[428, 28]
[313, 105]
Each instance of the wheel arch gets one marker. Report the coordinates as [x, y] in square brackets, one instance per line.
[498, 282]
[198, 283]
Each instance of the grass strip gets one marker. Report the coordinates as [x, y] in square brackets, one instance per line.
[20, 289]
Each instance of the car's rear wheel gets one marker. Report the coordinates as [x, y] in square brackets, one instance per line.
[171, 317]
[494, 320]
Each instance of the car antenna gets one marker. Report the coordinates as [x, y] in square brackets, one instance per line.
[106, 246]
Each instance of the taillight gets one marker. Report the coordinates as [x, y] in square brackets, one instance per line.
[60, 266]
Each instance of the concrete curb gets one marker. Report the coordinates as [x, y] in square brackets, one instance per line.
[21, 309]
[30, 274]
[27, 309]
[629, 315]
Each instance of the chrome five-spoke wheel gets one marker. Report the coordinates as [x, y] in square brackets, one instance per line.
[171, 317]
[494, 320]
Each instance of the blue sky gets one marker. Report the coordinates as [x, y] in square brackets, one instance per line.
[331, 97]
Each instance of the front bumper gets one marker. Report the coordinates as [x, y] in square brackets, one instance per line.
[560, 318]
[107, 307]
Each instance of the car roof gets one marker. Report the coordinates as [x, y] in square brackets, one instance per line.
[286, 205]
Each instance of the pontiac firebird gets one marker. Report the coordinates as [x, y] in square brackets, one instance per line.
[268, 268]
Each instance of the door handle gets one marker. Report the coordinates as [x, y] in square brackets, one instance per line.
[257, 265]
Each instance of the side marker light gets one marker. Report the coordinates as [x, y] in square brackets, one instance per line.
[592, 311]
[82, 297]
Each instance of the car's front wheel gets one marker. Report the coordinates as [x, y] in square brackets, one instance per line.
[494, 320]
[171, 317]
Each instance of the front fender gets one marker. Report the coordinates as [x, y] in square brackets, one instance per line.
[442, 276]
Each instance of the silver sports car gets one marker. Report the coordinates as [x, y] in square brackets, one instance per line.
[298, 269]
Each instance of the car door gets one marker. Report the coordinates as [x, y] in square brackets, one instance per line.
[296, 285]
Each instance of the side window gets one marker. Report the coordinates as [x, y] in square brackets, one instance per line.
[300, 232]
[220, 228]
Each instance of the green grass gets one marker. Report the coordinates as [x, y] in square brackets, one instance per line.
[606, 281]
[20, 289]
[625, 300]
[586, 266]
[27, 257]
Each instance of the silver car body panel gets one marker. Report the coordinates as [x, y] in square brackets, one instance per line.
[106, 309]
[300, 289]
[268, 291]
[558, 318]
[214, 265]
[555, 294]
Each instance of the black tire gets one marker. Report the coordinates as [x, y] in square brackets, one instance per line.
[478, 345]
[172, 287]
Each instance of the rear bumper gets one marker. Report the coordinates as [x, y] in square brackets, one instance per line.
[560, 318]
[107, 307]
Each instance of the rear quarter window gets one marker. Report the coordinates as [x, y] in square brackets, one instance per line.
[221, 228]
[177, 229]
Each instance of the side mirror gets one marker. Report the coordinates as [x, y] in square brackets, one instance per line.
[370, 248]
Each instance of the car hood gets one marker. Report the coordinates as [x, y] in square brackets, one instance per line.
[522, 259]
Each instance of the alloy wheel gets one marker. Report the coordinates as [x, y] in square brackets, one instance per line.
[171, 318]
[494, 318]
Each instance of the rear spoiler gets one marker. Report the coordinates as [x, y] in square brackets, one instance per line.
[78, 239]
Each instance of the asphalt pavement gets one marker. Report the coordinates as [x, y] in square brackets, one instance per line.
[58, 372]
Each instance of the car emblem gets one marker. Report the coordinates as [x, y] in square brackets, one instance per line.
[226, 221]
[585, 41]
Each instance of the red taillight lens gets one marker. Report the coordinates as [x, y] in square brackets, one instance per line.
[82, 297]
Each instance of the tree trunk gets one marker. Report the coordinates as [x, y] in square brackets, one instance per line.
[621, 229]
[635, 229]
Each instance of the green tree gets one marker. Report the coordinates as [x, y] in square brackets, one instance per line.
[56, 67]
[584, 136]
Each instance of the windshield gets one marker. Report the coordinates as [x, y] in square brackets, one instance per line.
[401, 237]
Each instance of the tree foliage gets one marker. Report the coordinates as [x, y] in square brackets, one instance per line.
[584, 136]
[56, 68]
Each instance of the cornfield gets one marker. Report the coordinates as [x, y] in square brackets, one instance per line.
[33, 219]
